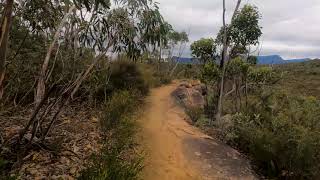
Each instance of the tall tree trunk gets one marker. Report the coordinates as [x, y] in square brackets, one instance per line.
[224, 58]
[6, 22]
[41, 87]
[236, 10]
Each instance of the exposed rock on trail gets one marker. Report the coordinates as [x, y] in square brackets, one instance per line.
[178, 151]
[190, 94]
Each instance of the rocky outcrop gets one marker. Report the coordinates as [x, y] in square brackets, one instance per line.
[190, 94]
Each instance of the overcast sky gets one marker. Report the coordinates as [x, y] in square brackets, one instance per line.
[291, 28]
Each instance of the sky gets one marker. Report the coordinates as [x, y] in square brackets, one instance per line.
[291, 28]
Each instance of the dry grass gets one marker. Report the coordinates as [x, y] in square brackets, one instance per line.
[300, 78]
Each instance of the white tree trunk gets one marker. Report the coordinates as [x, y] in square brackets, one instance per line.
[224, 56]
[224, 59]
[41, 87]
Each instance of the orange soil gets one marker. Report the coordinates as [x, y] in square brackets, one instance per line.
[166, 137]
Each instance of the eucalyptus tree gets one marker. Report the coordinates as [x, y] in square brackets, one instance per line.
[6, 21]
[129, 27]
[154, 30]
[81, 24]
[176, 39]
[243, 32]
[204, 49]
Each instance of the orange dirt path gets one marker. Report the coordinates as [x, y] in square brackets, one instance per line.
[176, 150]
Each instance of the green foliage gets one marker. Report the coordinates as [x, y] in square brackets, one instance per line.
[203, 122]
[245, 29]
[204, 49]
[282, 133]
[210, 73]
[126, 75]
[176, 37]
[237, 67]
[194, 113]
[118, 106]
[110, 167]
[3, 164]
[253, 60]
[117, 160]
[153, 28]
[262, 75]
[300, 78]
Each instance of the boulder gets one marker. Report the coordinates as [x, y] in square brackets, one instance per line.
[190, 94]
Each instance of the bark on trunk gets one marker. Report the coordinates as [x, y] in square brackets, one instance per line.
[41, 87]
[224, 58]
[236, 10]
[6, 22]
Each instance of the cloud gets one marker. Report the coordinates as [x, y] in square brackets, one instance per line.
[290, 28]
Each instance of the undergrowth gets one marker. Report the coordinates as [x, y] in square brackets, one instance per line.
[194, 113]
[281, 133]
[117, 159]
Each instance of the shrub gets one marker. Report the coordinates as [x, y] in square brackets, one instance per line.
[203, 122]
[126, 75]
[117, 160]
[282, 134]
[3, 164]
[210, 73]
[4, 169]
[194, 113]
[117, 108]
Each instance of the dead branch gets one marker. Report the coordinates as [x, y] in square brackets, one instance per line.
[34, 115]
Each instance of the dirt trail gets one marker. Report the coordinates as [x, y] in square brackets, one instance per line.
[178, 151]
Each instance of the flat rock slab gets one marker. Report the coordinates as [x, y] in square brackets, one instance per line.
[216, 160]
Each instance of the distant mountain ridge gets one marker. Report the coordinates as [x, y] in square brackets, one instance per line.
[276, 59]
[186, 60]
[263, 60]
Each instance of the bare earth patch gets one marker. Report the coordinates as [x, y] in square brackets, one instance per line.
[73, 140]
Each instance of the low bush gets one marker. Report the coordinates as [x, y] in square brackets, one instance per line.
[282, 134]
[203, 122]
[3, 164]
[117, 160]
[194, 113]
[120, 105]
[4, 169]
[126, 75]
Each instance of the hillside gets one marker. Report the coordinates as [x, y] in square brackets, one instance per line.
[276, 59]
[301, 78]
[262, 60]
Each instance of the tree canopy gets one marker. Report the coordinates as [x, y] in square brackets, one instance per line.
[204, 49]
[243, 31]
